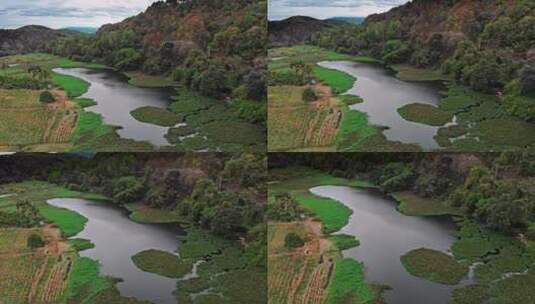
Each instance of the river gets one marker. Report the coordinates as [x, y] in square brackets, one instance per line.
[385, 235]
[116, 99]
[384, 94]
[117, 239]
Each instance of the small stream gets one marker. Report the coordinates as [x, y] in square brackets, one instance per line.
[384, 94]
[116, 99]
[117, 239]
[385, 235]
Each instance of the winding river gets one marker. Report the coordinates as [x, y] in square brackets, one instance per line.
[385, 235]
[116, 98]
[117, 239]
[384, 94]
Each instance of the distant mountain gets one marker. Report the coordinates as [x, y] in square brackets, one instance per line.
[354, 20]
[82, 29]
[27, 39]
[295, 30]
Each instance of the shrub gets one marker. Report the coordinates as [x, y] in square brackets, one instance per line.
[309, 95]
[293, 240]
[47, 97]
[35, 241]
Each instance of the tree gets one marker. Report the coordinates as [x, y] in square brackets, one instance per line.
[35, 241]
[292, 240]
[46, 97]
[284, 208]
[213, 82]
[309, 95]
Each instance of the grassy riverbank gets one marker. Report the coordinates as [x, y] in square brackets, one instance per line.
[327, 124]
[325, 275]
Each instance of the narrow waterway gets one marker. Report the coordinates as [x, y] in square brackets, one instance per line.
[385, 235]
[384, 94]
[117, 239]
[116, 99]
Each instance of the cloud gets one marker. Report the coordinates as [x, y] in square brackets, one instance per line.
[280, 9]
[62, 13]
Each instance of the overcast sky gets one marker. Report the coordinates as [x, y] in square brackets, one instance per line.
[63, 13]
[322, 9]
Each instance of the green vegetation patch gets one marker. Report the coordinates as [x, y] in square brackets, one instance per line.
[85, 102]
[434, 265]
[142, 80]
[69, 222]
[350, 99]
[199, 244]
[425, 114]
[344, 241]
[338, 81]
[142, 213]
[414, 205]
[348, 285]
[333, 214]
[511, 259]
[507, 132]
[471, 294]
[162, 263]
[74, 86]
[80, 244]
[407, 72]
[517, 289]
[156, 116]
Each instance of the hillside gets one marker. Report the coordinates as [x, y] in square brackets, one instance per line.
[212, 47]
[27, 39]
[294, 30]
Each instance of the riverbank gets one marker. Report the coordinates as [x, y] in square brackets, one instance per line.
[479, 263]
[191, 122]
[289, 113]
[209, 268]
[318, 271]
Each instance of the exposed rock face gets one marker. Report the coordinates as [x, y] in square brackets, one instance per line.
[294, 30]
[27, 39]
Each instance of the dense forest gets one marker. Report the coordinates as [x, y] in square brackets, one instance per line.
[218, 192]
[495, 189]
[216, 48]
[486, 45]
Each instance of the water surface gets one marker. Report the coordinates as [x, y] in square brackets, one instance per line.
[385, 235]
[117, 239]
[384, 94]
[116, 98]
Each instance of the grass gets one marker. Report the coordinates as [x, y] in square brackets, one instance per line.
[410, 73]
[198, 244]
[344, 241]
[85, 102]
[517, 289]
[162, 263]
[334, 215]
[471, 294]
[434, 265]
[339, 82]
[347, 284]
[73, 86]
[425, 114]
[350, 99]
[354, 128]
[142, 80]
[80, 244]
[156, 116]
[414, 205]
[69, 222]
[142, 213]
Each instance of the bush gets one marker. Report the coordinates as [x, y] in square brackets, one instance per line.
[309, 95]
[35, 241]
[293, 240]
[47, 97]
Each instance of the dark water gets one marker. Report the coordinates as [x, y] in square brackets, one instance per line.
[385, 235]
[384, 94]
[116, 240]
[116, 98]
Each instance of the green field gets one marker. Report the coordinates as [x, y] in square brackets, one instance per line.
[434, 265]
[425, 114]
[156, 116]
[162, 263]
[414, 205]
